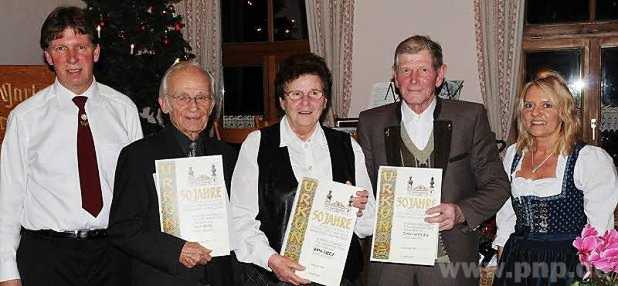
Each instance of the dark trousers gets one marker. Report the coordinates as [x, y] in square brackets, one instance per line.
[392, 274]
[45, 261]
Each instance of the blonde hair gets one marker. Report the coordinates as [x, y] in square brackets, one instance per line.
[552, 84]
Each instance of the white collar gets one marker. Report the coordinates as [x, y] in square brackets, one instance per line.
[288, 137]
[67, 94]
[425, 117]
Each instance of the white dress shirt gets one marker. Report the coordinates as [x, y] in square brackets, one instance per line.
[594, 174]
[309, 158]
[418, 126]
[39, 176]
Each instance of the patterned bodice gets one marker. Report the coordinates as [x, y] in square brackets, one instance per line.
[561, 213]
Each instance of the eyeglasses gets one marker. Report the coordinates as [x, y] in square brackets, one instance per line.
[186, 100]
[298, 94]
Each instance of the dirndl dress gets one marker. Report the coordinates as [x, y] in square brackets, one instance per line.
[540, 251]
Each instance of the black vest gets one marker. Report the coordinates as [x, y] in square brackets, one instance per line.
[277, 188]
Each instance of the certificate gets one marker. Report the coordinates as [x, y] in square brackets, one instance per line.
[401, 235]
[193, 202]
[320, 229]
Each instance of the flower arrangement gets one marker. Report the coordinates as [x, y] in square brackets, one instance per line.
[599, 254]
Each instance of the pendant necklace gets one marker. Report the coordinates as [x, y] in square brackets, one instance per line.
[534, 169]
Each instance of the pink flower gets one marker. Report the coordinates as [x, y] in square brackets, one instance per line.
[586, 245]
[600, 252]
[607, 252]
[589, 230]
[610, 239]
[607, 260]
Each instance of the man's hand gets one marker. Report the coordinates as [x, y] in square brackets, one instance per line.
[447, 215]
[360, 200]
[16, 282]
[284, 268]
[192, 254]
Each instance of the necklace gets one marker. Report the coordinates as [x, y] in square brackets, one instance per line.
[534, 169]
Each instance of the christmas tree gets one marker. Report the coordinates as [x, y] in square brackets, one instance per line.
[139, 40]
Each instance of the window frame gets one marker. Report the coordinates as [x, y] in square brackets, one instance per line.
[267, 54]
[589, 36]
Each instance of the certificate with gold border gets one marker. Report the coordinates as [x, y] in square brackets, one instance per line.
[401, 234]
[193, 201]
[320, 228]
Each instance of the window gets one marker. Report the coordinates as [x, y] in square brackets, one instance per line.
[257, 35]
[579, 39]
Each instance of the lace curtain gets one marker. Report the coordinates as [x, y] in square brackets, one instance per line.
[498, 27]
[330, 24]
[203, 32]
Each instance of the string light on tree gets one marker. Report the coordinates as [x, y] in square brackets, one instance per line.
[141, 40]
[178, 26]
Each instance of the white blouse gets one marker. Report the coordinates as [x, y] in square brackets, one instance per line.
[594, 174]
[309, 158]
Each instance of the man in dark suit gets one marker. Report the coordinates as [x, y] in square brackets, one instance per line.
[427, 132]
[186, 94]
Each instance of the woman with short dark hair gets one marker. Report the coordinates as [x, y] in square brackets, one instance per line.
[274, 159]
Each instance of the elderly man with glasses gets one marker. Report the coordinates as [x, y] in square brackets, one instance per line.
[186, 94]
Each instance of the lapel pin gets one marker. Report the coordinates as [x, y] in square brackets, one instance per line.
[83, 119]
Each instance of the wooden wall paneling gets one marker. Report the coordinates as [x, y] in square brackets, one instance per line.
[18, 83]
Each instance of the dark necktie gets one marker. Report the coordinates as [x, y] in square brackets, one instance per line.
[92, 200]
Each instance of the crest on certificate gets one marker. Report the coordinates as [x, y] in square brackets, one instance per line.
[419, 188]
[204, 179]
[341, 207]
